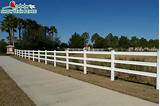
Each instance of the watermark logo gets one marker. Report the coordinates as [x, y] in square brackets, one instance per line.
[12, 4]
[21, 8]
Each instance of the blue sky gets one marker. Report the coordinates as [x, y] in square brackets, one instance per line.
[120, 17]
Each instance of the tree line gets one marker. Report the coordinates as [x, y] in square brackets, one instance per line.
[110, 41]
[32, 35]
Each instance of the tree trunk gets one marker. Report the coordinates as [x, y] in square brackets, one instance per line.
[13, 37]
[10, 37]
[19, 29]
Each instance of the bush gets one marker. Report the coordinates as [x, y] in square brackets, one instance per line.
[3, 45]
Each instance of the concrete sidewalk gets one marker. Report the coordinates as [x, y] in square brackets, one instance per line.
[46, 88]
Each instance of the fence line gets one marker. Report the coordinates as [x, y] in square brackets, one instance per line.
[47, 55]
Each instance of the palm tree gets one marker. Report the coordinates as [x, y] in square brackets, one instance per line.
[85, 37]
[53, 31]
[46, 29]
[21, 25]
[9, 25]
[31, 27]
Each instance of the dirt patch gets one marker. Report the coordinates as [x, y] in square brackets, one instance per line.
[11, 94]
[146, 92]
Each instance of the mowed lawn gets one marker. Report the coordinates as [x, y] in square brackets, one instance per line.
[10, 93]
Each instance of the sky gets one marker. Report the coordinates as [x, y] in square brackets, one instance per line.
[120, 17]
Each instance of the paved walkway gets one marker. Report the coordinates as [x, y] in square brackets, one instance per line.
[46, 88]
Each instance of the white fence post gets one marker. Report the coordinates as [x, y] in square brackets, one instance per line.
[38, 56]
[29, 54]
[25, 54]
[17, 52]
[112, 64]
[45, 56]
[33, 55]
[54, 58]
[22, 53]
[157, 84]
[84, 62]
[14, 51]
[67, 60]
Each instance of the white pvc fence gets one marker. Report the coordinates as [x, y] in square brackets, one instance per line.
[47, 55]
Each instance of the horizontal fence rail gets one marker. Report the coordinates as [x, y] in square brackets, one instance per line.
[54, 56]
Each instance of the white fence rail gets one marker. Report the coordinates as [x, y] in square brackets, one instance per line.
[53, 55]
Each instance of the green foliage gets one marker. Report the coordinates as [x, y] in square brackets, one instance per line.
[134, 42]
[34, 37]
[124, 42]
[75, 41]
[20, 26]
[53, 32]
[111, 41]
[85, 38]
[153, 43]
[78, 41]
[3, 45]
[31, 34]
[63, 45]
[97, 40]
[142, 42]
[9, 25]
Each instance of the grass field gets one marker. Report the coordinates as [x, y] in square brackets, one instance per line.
[146, 92]
[10, 93]
[123, 76]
